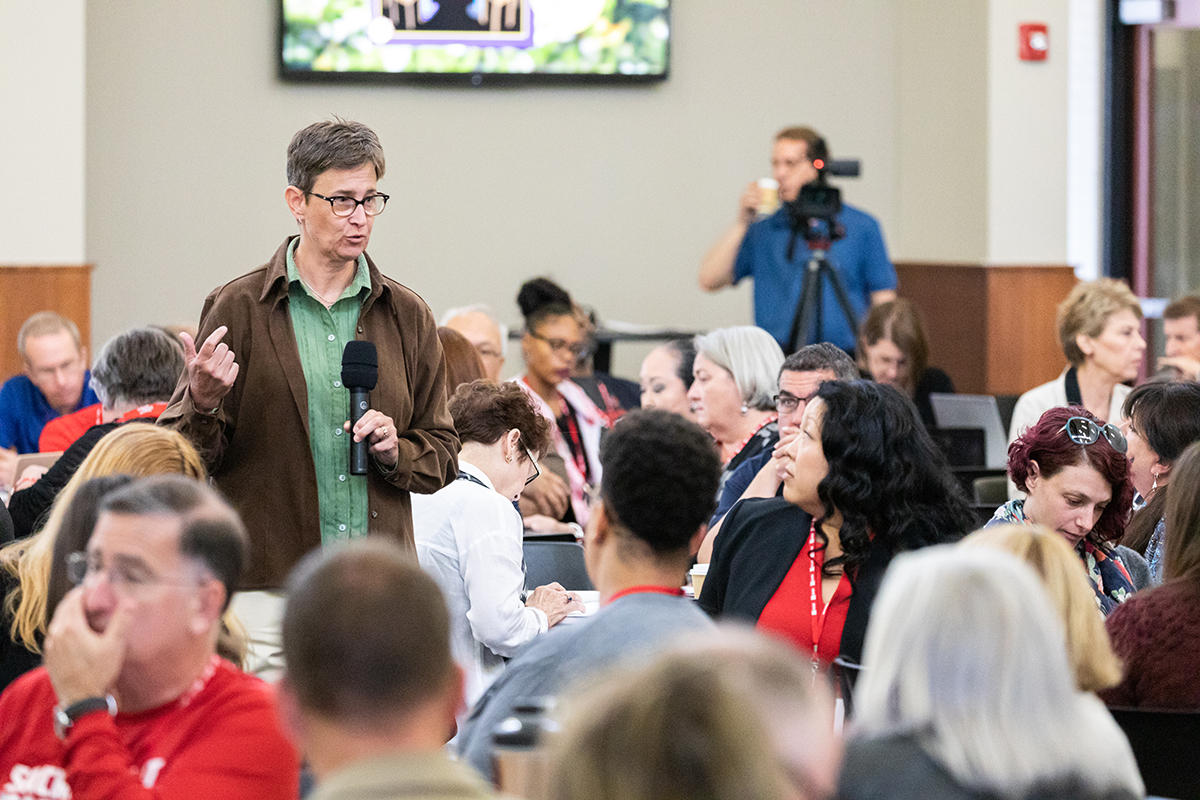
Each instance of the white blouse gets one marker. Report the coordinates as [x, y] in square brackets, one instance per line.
[469, 540]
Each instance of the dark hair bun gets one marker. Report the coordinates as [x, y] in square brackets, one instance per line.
[539, 293]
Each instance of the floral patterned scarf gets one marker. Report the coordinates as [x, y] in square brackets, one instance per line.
[1110, 580]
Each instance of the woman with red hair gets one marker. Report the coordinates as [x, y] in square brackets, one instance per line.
[1073, 469]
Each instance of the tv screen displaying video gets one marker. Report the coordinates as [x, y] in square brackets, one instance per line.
[475, 41]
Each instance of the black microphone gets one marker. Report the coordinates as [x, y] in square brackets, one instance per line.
[360, 371]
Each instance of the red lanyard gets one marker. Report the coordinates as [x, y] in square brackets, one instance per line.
[576, 440]
[746, 441]
[819, 608]
[674, 591]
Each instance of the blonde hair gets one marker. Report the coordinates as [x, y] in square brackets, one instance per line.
[965, 653]
[1092, 659]
[709, 718]
[138, 449]
[1087, 309]
[45, 323]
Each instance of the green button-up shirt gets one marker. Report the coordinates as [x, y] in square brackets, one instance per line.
[321, 336]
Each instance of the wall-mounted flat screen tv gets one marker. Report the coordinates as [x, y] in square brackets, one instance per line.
[474, 42]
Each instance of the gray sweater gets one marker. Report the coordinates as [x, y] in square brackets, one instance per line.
[635, 625]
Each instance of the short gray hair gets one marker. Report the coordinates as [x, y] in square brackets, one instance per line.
[331, 144]
[137, 367]
[822, 356]
[751, 356]
[966, 649]
[479, 308]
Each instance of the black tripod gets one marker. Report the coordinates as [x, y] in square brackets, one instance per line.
[811, 306]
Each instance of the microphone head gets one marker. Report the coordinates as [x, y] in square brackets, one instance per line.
[360, 365]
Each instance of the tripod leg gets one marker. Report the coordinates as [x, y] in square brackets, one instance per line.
[804, 309]
[839, 291]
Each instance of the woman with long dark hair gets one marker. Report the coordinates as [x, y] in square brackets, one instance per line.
[1162, 420]
[865, 483]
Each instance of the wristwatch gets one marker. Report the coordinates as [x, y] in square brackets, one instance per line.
[64, 718]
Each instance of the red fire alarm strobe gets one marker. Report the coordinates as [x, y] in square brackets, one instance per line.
[1035, 41]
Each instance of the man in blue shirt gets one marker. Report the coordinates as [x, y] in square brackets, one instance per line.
[55, 383]
[758, 248]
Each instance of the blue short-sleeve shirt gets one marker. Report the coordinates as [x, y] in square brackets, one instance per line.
[860, 258]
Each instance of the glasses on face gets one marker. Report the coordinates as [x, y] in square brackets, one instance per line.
[125, 577]
[786, 403]
[537, 471]
[1082, 430]
[577, 349]
[343, 206]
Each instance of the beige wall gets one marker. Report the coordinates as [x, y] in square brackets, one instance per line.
[1027, 137]
[41, 132]
[942, 132]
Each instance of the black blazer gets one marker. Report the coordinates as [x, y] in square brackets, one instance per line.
[757, 544]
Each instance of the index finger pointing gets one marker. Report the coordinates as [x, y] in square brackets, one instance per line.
[214, 338]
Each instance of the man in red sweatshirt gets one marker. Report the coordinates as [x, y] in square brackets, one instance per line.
[133, 701]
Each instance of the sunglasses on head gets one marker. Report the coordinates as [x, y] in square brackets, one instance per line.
[1082, 430]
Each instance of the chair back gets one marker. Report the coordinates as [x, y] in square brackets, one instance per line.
[1166, 745]
[546, 562]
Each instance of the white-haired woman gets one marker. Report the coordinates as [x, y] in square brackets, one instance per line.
[967, 690]
[735, 374]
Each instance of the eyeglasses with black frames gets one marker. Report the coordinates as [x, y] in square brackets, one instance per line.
[373, 204]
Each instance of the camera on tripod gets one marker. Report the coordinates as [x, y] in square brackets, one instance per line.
[819, 202]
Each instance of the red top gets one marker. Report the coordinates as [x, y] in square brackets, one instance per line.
[798, 611]
[61, 432]
[221, 739]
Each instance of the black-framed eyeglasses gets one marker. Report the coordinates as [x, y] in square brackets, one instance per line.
[373, 204]
[537, 471]
[1084, 431]
[786, 403]
[578, 349]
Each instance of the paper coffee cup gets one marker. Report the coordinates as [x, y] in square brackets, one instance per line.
[770, 196]
[697, 574]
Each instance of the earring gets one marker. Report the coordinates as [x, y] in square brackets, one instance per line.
[745, 409]
[1153, 486]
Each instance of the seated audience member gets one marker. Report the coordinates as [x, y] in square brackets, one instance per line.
[553, 340]
[469, 535]
[666, 376]
[1099, 327]
[134, 375]
[893, 349]
[762, 476]
[612, 394]
[133, 700]
[735, 371]
[866, 482]
[75, 528]
[138, 450]
[1161, 420]
[486, 335]
[1157, 633]
[1064, 580]
[967, 691]
[371, 688]
[736, 715]
[55, 382]
[659, 486]
[127, 377]
[1073, 470]
[1181, 326]
[463, 363]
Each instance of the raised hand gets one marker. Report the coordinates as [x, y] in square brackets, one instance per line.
[212, 371]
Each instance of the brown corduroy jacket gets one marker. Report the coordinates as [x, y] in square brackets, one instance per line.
[256, 446]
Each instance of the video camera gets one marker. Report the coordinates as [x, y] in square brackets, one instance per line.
[819, 202]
